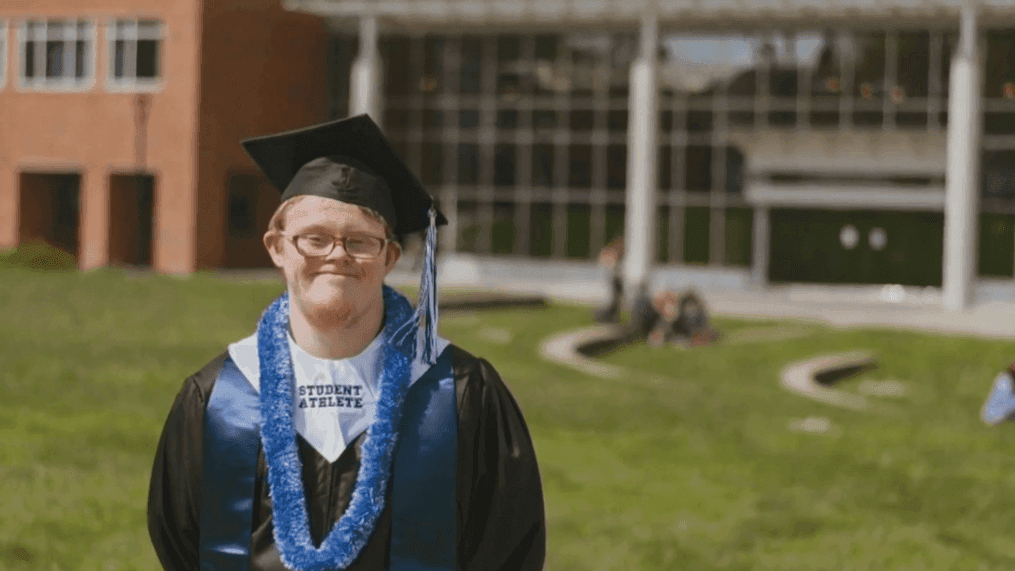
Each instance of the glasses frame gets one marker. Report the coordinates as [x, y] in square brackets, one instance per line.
[335, 240]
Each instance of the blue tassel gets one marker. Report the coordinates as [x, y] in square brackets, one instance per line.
[426, 307]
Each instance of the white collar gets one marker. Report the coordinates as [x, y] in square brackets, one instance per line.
[244, 354]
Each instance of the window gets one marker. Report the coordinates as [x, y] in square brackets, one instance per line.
[57, 54]
[135, 48]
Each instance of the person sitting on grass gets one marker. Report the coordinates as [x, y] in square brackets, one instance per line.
[344, 433]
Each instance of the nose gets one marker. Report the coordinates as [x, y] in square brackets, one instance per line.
[338, 252]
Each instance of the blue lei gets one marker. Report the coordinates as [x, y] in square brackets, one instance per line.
[278, 435]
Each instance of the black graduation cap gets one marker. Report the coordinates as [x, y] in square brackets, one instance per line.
[348, 160]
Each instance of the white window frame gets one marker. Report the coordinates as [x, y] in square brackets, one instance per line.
[70, 35]
[130, 35]
[3, 53]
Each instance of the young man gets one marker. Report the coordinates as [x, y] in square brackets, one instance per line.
[336, 436]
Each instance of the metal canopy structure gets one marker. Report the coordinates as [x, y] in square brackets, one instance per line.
[670, 13]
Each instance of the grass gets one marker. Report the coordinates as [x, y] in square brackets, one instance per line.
[687, 462]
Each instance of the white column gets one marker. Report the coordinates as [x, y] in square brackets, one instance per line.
[963, 155]
[365, 80]
[760, 246]
[640, 216]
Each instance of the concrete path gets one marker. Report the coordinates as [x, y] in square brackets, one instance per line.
[993, 315]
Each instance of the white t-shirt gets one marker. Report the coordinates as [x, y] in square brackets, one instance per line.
[344, 391]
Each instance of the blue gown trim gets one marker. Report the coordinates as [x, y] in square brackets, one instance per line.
[423, 510]
[231, 436]
[423, 502]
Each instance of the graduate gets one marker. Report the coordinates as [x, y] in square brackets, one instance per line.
[344, 433]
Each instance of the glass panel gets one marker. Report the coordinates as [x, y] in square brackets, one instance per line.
[432, 119]
[999, 174]
[119, 51]
[504, 165]
[472, 65]
[997, 245]
[738, 236]
[869, 82]
[507, 119]
[468, 119]
[468, 164]
[579, 231]
[29, 67]
[616, 167]
[398, 78]
[616, 120]
[698, 169]
[999, 123]
[147, 59]
[699, 121]
[580, 162]
[913, 66]
[80, 53]
[396, 118]
[582, 120]
[503, 231]
[433, 65]
[541, 230]
[546, 47]
[509, 48]
[468, 226]
[544, 119]
[54, 58]
[697, 222]
[1000, 69]
[734, 176]
[665, 168]
[614, 222]
[542, 165]
[432, 164]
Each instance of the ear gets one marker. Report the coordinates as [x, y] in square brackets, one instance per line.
[394, 253]
[273, 243]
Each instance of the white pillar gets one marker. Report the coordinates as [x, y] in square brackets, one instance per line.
[640, 216]
[760, 246]
[963, 155]
[365, 80]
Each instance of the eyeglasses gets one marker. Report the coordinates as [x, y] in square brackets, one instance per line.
[320, 245]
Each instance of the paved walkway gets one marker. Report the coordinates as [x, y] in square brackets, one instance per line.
[841, 306]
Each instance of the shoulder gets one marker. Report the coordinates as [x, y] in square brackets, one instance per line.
[199, 385]
[477, 381]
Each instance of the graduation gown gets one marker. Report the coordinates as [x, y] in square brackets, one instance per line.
[500, 516]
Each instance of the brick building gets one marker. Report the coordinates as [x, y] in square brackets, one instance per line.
[121, 121]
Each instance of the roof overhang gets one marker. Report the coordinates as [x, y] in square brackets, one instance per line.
[672, 14]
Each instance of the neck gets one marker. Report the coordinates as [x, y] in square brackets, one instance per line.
[336, 339]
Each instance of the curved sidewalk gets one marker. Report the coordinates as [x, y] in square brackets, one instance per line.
[839, 306]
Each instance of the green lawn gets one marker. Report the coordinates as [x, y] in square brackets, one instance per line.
[687, 462]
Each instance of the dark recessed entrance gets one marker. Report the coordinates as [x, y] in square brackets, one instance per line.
[131, 218]
[250, 203]
[856, 247]
[50, 206]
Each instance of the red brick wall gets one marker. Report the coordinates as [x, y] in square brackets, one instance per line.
[93, 132]
[263, 70]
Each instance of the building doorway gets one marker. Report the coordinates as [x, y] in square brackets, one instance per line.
[131, 219]
[50, 207]
[856, 247]
[250, 203]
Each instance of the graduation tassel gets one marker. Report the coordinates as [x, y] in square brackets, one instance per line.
[426, 307]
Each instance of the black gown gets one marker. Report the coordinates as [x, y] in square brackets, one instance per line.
[500, 517]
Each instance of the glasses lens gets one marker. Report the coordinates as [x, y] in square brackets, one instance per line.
[363, 246]
[313, 245]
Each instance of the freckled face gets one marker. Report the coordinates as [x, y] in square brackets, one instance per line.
[337, 284]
